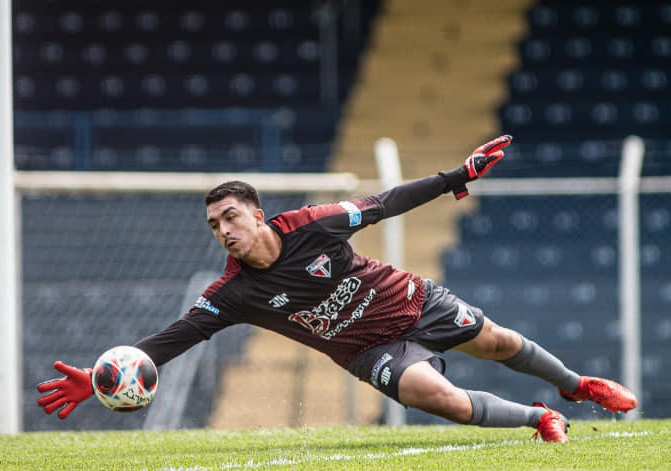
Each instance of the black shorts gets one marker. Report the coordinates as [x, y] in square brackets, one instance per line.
[446, 322]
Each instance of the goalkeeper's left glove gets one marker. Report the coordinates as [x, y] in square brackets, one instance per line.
[481, 160]
[66, 392]
[486, 156]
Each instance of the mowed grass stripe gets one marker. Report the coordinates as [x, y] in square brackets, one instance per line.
[281, 462]
[595, 445]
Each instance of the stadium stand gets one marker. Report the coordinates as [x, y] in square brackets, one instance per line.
[293, 63]
[590, 74]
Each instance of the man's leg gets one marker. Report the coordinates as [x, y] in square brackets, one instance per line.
[412, 374]
[520, 354]
[424, 388]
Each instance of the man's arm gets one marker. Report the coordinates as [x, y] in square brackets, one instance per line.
[171, 341]
[76, 386]
[409, 195]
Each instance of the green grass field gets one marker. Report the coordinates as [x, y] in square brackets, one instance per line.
[603, 445]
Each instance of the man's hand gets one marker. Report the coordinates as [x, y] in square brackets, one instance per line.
[486, 156]
[477, 164]
[65, 392]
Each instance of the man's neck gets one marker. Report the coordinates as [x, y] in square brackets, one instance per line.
[267, 251]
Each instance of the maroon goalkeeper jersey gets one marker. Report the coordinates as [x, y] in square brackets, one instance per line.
[318, 292]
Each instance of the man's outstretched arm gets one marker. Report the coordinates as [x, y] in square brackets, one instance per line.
[66, 393]
[409, 195]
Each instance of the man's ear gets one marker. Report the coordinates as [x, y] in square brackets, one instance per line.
[260, 216]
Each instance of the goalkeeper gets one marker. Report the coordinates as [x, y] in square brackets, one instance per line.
[296, 274]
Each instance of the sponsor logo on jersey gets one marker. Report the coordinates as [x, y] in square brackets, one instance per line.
[465, 317]
[356, 314]
[320, 318]
[377, 368]
[353, 212]
[321, 267]
[279, 300]
[203, 303]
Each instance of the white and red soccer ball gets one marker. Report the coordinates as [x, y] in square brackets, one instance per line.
[124, 379]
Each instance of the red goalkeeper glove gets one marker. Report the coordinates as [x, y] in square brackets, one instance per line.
[482, 159]
[66, 392]
[486, 156]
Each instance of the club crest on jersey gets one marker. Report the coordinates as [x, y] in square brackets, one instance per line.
[465, 317]
[321, 267]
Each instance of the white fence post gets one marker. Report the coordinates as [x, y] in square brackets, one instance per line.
[629, 265]
[389, 170]
[10, 344]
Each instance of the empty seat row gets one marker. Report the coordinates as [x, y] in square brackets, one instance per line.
[592, 83]
[71, 92]
[234, 157]
[587, 120]
[531, 157]
[163, 55]
[287, 139]
[194, 18]
[553, 298]
[566, 50]
[488, 260]
[559, 219]
[549, 15]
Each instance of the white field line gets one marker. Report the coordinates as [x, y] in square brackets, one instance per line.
[252, 464]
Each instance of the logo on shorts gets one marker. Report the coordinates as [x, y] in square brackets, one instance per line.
[378, 373]
[385, 377]
[321, 267]
[464, 317]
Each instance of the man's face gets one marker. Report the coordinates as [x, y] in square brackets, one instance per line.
[236, 225]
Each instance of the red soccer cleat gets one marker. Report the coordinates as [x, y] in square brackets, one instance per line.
[552, 427]
[608, 394]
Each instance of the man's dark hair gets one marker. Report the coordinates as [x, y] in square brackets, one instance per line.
[241, 190]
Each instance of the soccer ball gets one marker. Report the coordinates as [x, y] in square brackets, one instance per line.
[124, 379]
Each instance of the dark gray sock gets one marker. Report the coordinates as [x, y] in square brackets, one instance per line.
[536, 361]
[492, 411]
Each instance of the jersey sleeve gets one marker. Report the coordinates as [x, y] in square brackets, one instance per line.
[404, 197]
[347, 217]
[170, 342]
[191, 329]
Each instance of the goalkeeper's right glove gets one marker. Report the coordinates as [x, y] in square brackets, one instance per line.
[66, 392]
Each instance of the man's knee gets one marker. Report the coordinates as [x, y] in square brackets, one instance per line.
[493, 343]
[424, 388]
